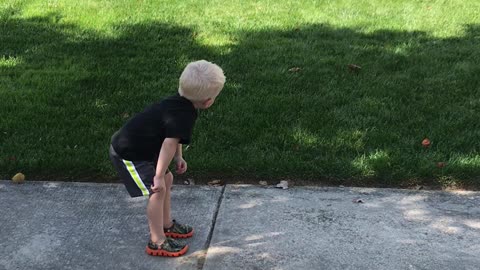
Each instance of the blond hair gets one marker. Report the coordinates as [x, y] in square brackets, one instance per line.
[201, 80]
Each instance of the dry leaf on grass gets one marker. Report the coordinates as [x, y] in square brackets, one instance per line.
[354, 68]
[295, 69]
[426, 143]
[283, 184]
[189, 181]
[18, 178]
[215, 183]
[441, 164]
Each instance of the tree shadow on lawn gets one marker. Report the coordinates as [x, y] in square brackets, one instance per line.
[70, 88]
[341, 126]
[363, 127]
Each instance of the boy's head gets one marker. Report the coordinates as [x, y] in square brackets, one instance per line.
[201, 82]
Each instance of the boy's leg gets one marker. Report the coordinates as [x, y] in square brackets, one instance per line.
[159, 244]
[155, 215]
[138, 178]
[171, 227]
[167, 218]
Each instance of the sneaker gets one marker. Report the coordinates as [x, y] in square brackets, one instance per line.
[178, 230]
[169, 248]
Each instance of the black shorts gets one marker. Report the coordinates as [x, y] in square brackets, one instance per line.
[136, 175]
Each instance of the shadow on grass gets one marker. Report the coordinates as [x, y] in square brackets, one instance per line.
[363, 127]
[66, 89]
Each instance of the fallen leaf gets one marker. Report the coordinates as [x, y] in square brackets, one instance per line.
[263, 183]
[441, 164]
[283, 184]
[419, 187]
[215, 183]
[18, 178]
[354, 68]
[189, 182]
[426, 143]
[295, 69]
[357, 201]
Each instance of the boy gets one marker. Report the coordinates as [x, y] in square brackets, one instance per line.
[143, 148]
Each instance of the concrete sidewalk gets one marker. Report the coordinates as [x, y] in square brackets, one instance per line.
[51, 225]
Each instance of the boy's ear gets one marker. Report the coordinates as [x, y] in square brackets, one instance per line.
[207, 103]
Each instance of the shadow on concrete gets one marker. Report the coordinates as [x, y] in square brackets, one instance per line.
[313, 228]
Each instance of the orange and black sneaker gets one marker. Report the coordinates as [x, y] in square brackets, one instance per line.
[178, 230]
[169, 248]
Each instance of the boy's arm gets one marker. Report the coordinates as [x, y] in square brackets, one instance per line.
[169, 148]
[179, 153]
[180, 163]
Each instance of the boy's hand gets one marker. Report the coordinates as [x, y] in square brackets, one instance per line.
[180, 165]
[158, 183]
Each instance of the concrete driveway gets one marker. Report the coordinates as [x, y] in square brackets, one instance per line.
[54, 225]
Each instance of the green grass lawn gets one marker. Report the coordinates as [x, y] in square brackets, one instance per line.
[72, 72]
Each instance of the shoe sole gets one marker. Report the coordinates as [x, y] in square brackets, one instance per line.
[164, 253]
[178, 235]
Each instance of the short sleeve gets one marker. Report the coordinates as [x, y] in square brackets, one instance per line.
[179, 125]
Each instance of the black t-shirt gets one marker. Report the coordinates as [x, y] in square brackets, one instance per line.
[142, 136]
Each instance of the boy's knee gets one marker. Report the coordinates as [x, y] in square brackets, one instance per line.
[156, 197]
[159, 192]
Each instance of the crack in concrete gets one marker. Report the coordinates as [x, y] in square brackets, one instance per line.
[203, 256]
